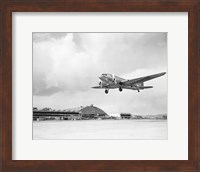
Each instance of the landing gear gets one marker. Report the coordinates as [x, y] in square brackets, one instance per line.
[106, 91]
[120, 88]
[138, 90]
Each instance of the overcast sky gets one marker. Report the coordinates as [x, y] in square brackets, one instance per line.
[67, 65]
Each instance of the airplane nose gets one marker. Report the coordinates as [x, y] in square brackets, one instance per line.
[100, 77]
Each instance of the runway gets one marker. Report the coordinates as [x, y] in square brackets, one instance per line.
[101, 129]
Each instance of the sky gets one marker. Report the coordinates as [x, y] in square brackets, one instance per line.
[67, 65]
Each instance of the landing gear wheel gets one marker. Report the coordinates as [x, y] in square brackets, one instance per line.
[106, 91]
[120, 88]
[138, 91]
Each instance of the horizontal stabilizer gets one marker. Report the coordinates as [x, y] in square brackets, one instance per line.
[145, 87]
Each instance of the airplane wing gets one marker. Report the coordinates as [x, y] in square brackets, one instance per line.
[97, 87]
[142, 79]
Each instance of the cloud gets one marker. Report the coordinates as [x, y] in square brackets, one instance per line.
[58, 66]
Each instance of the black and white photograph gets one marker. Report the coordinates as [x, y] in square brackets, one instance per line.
[100, 86]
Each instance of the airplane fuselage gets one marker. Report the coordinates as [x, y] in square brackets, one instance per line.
[111, 78]
[114, 82]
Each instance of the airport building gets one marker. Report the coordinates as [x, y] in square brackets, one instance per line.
[125, 116]
[80, 113]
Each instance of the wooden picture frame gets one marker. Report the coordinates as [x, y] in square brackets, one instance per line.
[9, 6]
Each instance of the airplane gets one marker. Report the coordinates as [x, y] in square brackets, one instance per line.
[111, 81]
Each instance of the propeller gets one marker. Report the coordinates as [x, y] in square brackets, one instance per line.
[114, 79]
[100, 83]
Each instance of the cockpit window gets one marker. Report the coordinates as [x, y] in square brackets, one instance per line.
[104, 74]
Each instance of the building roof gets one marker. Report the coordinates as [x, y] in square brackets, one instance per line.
[92, 110]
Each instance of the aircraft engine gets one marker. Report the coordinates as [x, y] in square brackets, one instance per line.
[102, 84]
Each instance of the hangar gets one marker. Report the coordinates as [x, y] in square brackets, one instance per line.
[92, 112]
[87, 112]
